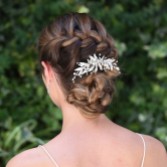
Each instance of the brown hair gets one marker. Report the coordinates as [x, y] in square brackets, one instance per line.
[72, 38]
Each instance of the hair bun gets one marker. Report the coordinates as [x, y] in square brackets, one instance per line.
[94, 92]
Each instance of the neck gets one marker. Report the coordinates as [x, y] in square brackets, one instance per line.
[74, 120]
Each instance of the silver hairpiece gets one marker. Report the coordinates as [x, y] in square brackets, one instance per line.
[93, 64]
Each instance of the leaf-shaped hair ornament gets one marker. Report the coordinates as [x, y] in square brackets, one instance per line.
[93, 65]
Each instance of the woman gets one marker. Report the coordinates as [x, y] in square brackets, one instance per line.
[79, 66]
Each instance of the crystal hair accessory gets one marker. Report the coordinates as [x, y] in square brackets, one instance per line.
[94, 63]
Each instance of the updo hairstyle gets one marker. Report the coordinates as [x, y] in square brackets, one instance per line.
[72, 38]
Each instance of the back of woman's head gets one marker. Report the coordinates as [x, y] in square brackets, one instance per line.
[70, 39]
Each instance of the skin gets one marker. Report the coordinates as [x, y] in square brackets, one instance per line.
[85, 142]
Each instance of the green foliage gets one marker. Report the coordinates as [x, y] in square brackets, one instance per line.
[27, 117]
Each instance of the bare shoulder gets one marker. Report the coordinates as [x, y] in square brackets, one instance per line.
[155, 152]
[154, 144]
[31, 157]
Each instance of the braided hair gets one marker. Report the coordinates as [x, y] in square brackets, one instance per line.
[71, 38]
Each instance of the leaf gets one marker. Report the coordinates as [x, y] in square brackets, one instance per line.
[157, 50]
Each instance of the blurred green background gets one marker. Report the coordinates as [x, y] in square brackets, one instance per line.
[139, 27]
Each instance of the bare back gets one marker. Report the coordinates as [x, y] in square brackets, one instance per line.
[111, 147]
